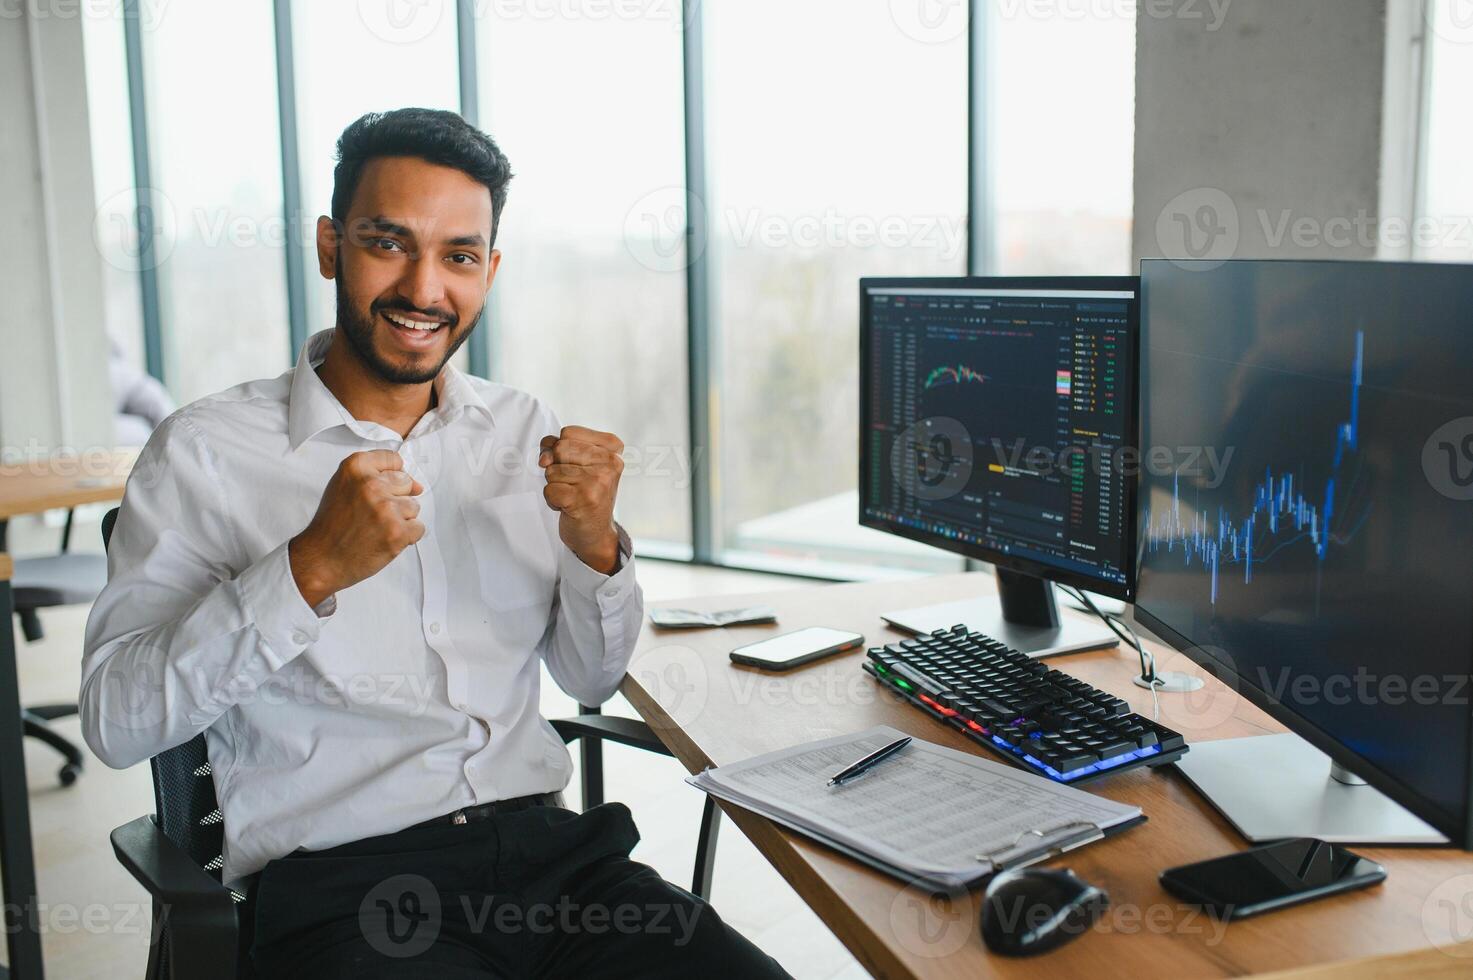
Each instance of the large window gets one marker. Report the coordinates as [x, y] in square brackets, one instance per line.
[1063, 133]
[838, 149]
[834, 144]
[353, 58]
[588, 310]
[1447, 196]
[211, 84]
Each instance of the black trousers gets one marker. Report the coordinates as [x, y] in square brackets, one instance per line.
[542, 892]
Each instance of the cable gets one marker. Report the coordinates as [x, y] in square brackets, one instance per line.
[1148, 659]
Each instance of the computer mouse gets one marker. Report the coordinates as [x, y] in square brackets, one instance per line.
[1031, 911]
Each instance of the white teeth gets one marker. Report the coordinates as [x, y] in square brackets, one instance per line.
[413, 324]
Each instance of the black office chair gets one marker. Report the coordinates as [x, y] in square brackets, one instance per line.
[175, 854]
[63, 579]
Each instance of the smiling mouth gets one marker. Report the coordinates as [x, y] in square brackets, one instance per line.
[405, 322]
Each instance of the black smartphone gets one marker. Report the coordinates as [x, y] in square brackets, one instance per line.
[794, 649]
[1271, 877]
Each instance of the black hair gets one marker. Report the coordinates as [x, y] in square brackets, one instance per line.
[436, 135]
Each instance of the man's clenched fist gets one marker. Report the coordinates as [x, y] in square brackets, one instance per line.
[368, 515]
[583, 468]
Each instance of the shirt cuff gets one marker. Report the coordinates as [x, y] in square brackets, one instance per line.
[592, 584]
[274, 605]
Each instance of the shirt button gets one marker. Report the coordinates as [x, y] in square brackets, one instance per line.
[611, 593]
[435, 628]
[299, 637]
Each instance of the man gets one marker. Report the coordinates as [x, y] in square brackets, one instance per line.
[348, 578]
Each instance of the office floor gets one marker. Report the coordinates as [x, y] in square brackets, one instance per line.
[95, 918]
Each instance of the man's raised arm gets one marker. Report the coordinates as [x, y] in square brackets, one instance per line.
[599, 606]
[188, 625]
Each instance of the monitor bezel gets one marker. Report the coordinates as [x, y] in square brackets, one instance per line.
[1116, 590]
[1460, 835]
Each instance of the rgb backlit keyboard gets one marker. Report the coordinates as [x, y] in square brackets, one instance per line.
[1036, 717]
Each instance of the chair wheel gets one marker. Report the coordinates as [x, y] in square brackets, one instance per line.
[69, 773]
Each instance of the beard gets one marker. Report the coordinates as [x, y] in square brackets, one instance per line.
[360, 329]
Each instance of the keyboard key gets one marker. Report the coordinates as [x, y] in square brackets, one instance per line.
[916, 677]
[1075, 760]
[994, 708]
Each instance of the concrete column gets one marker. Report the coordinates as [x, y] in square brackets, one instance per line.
[54, 389]
[1259, 128]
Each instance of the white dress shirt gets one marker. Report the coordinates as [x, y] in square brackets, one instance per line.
[405, 697]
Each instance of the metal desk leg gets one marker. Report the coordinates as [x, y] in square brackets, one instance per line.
[592, 758]
[17, 863]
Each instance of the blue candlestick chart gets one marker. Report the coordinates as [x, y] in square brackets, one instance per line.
[1281, 513]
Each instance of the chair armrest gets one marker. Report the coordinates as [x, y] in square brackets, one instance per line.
[168, 873]
[199, 912]
[611, 728]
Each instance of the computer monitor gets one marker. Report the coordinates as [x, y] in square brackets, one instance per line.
[1307, 534]
[996, 420]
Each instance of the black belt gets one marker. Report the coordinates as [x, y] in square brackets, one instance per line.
[486, 810]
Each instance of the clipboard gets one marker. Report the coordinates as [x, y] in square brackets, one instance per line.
[1034, 846]
[1016, 817]
[1044, 851]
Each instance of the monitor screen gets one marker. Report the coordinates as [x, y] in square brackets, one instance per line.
[1307, 503]
[996, 418]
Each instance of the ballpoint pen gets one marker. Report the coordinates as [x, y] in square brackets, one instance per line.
[868, 762]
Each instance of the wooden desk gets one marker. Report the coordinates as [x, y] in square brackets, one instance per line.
[29, 488]
[70, 481]
[710, 712]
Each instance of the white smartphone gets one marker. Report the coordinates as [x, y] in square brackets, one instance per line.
[795, 649]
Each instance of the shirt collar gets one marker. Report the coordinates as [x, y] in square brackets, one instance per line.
[313, 409]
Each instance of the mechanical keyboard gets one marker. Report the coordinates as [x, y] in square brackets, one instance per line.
[1035, 717]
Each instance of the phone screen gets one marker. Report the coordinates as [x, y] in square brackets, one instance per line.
[1272, 875]
[801, 643]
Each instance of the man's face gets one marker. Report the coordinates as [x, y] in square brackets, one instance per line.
[413, 264]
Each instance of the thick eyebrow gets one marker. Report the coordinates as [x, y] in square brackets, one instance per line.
[389, 227]
[380, 223]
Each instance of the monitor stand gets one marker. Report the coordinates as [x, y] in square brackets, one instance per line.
[1023, 614]
[1275, 786]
